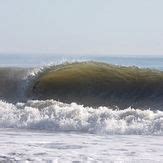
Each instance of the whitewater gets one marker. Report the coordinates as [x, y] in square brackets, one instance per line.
[50, 130]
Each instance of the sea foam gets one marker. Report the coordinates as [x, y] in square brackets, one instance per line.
[55, 116]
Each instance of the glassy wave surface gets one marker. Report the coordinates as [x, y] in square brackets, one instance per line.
[87, 83]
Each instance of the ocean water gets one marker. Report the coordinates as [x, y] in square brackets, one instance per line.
[51, 130]
[28, 60]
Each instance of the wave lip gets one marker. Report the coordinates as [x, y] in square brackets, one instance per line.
[100, 84]
[56, 116]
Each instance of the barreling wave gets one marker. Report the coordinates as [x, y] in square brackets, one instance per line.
[87, 83]
[56, 116]
[99, 84]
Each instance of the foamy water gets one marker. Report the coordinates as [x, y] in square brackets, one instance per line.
[52, 115]
[53, 131]
[39, 146]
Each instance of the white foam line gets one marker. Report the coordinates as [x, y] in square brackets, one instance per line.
[56, 116]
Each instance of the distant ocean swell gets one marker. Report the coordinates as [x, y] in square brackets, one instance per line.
[56, 116]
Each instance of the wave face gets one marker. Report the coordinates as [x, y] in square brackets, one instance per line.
[56, 116]
[99, 84]
[88, 83]
[14, 83]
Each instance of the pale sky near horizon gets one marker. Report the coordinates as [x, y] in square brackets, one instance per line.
[82, 27]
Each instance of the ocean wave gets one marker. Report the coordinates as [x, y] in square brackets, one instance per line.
[99, 84]
[87, 83]
[55, 116]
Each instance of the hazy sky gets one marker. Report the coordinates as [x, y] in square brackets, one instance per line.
[104, 27]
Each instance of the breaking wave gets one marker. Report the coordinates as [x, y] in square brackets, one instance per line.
[91, 84]
[94, 98]
[55, 116]
[99, 84]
